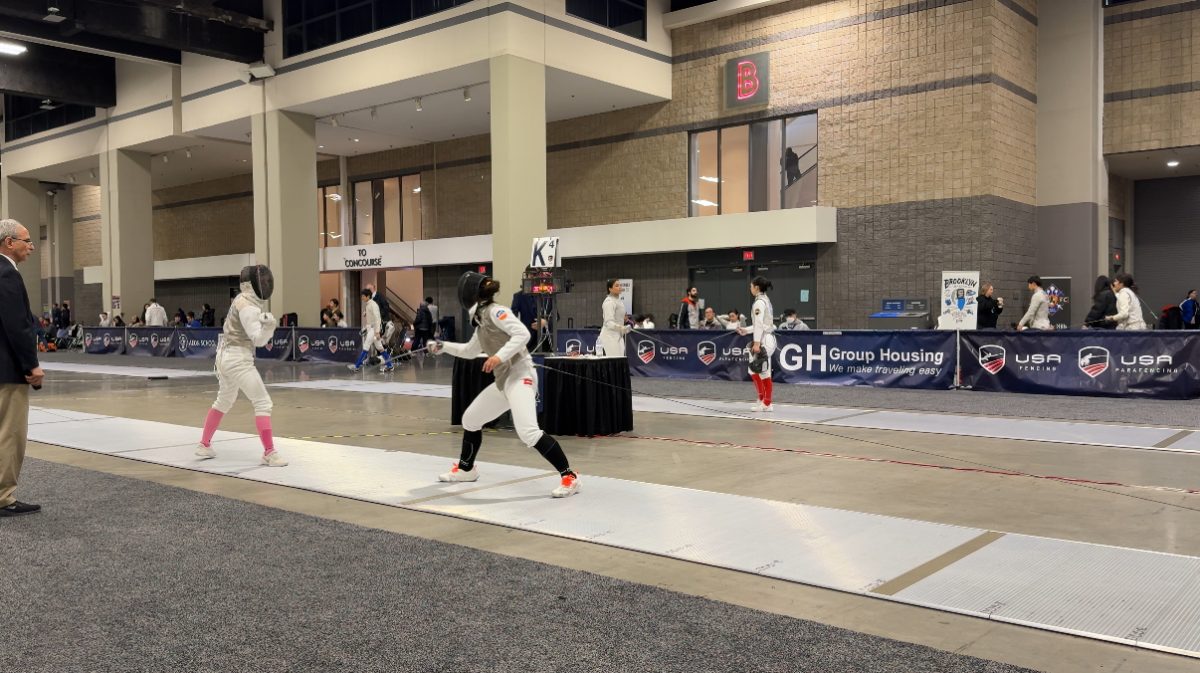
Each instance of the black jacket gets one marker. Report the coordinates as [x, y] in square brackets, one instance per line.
[989, 311]
[1103, 305]
[18, 345]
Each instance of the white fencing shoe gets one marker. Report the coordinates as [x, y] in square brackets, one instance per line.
[569, 486]
[205, 451]
[456, 474]
[758, 406]
[273, 459]
[769, 407]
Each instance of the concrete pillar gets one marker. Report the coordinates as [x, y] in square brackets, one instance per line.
[126, 232]
[285, 210]
[22, 201]
[1072, 182]
[518, 125]
[62, 248]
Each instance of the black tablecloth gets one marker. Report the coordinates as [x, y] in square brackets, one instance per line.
[468, 381]
[586, 396]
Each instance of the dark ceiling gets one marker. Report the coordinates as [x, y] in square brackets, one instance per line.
[70, 41]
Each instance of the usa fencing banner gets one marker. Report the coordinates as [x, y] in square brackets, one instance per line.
[197, 343]
[960, 291]
[577, 341]
[150, 341]
[1160, 364]
[327, 345]
[104, 340]
[899, 359]
[279, 347]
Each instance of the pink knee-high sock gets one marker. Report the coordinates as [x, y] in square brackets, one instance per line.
[263, 423]
[211, 423]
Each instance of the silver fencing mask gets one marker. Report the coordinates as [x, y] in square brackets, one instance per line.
[468, 288]
[261, 280]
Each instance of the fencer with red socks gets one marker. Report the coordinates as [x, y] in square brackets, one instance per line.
[247, 327]
[762, 346]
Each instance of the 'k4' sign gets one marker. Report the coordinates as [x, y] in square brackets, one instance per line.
[747, 80]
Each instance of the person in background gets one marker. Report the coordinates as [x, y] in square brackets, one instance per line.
[118, 320]
[791, 321]
[990, 307]
[423, 324]
[137, 322]
[372, 329]
[711, 320]
[180, 317]
[762, 347]
[156, 316]
[433, 310]
[647, 322]
[1191, 310]
[1104, 304]
[733, 320]
[689, 310]
[208, 317]
[55, 314]
[385, 309]
[326, 317]
[192, 322]
[1038, 315]
[339, 320]
[105, 321]
[1129, 307]
[65, 318]
[613, 328]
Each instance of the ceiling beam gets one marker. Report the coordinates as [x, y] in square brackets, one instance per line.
[206, 9]
[62, 75]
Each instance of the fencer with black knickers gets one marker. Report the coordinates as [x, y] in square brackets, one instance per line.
[502, 337]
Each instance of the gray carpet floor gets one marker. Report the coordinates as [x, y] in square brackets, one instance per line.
[124, 575]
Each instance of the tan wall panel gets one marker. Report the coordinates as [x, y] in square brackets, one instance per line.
[1152, 123]
[85, 203]
[1151, 52]
[643, 179]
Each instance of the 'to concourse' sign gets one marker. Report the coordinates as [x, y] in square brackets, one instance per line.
[747, 81]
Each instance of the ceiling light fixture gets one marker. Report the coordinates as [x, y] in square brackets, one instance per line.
[48, 104]
[354, 139]
[1172, 163]
[71, 177]
[419, 108]
[12, 49]
[53, 14]
[467, 94]
[374, 112]
[708, 178]
[92, 173]
[320, 147]
[416, 190]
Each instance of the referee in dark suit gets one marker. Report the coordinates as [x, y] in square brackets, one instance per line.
[19, 366]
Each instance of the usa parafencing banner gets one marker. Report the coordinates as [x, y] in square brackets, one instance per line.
[327, 345]
[150, 341]
[900, 359]
[1159, 364]
[104, 340]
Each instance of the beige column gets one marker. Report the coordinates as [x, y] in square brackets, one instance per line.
[61, 242]
[518, 126]
[1072, 182]
[22, 201]
[126, 232]
[285, 210]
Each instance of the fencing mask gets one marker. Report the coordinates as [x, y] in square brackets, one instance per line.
[468, 288]
[261, 280]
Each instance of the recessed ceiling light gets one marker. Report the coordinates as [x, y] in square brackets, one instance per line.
[320, 147]
[1172, 163]
[419, 108]
[467, 94]
[703, 202]
[708, 178]
[354, 139]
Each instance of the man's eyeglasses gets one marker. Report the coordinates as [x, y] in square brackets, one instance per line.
[23, 240]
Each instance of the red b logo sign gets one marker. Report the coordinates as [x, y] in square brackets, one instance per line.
[747, 80]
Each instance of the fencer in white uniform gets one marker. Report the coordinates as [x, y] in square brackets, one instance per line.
[762, 345]
[372, 328]
[500, 335]
[247, 327]
[612, 334]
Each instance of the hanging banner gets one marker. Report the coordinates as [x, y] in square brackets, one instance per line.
[1159, 364]
[104, 340]
[197, 342]
[327, 345]
[899, 359]
[279, 347]
[626, 285]
[960, 292]
[150, 341]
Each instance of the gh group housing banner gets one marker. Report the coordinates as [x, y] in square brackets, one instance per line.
[899, 359]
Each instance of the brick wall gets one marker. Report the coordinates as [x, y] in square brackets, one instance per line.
[85, 212]
[1151, 76]
[205, 219]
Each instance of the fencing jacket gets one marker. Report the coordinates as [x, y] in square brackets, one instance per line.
[501, 334]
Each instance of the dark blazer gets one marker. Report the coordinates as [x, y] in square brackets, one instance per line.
[18, 345]
[989, 310]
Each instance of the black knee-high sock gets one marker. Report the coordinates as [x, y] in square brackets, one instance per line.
[551, 451]
[472, 439]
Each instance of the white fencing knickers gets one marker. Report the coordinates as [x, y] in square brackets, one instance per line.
[767, 345]
[519, 396]
[236, 372]
[371, 338]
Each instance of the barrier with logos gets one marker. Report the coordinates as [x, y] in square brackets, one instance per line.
[1158, 364]
[327, 345]
[892, 359]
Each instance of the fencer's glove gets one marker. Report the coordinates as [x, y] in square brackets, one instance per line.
[434, 347]
[625, 329]
[269, 322]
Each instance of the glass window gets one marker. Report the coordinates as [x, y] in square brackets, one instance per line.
[388, 210]
[312, 24]
[765, 165]
[330, 217]
[624, 16]
[410, 194]
[392, 230]
[364, 227]
[706, 197]
[24, 116]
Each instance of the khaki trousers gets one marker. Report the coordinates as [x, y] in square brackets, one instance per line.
[14, 429]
